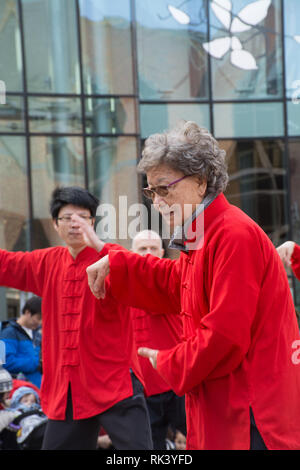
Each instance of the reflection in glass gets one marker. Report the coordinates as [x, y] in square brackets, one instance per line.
[112, 174]
[55, 115]
[14, 212]
[257, 183]
[12, 115]
[245, 47]
[106, 46]
[110, 115]
[11, 66]
[293, 112]
[55, 161]
[159, 117]
[292, 47]
[171, 61]
[248, 119]
[51, 46]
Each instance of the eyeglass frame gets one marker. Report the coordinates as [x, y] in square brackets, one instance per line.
[68, 218]
[153, 191]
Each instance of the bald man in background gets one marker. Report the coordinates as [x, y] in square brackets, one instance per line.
[157, 331]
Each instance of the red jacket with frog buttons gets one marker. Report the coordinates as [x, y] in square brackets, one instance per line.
[239, 327]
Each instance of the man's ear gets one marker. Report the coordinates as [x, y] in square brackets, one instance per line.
[54, 223]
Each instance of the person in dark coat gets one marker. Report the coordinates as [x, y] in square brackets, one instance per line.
[22, 355]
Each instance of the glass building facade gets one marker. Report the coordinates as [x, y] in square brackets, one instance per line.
[86, 81]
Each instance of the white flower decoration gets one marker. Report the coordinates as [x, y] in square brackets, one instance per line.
[249, 16]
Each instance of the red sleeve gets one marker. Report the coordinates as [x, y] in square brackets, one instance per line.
[111, 246]
[296, 261]
[23, 270]
[145, 282]
[222, 339]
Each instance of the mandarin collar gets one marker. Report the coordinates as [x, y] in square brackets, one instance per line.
[189, 236]
[81, 255]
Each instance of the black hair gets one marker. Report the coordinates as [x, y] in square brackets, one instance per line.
[74, 195]
[34, 305]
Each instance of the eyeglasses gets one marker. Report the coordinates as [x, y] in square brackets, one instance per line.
[66, 219]
[162, 191]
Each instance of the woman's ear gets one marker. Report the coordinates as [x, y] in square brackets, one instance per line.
[202, 187]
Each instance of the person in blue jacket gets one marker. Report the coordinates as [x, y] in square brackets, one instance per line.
[22, 353]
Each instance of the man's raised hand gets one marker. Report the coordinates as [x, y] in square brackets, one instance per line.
[90, 237]
[285, 252]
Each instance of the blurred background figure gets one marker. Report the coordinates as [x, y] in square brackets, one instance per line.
[158, 331]
[23, 354]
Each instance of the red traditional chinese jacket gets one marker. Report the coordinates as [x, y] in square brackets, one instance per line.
[239, 327]
[86, 344]
[296, 261]
[156, 331]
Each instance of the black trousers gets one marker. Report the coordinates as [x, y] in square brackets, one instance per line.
[256, 441]
[165, 410]
[127, 424]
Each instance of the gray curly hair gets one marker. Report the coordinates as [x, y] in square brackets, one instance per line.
[190, 149]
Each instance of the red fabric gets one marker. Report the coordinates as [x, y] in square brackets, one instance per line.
[296, 261]
[156, 331]
[240, 329]
[86, 343]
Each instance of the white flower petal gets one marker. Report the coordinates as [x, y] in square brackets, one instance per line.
[297, 38]
[243, 60]
[222, 10]
[179, 15]
[250, 16]
[237, 26]
[218, 47]
[236, 43]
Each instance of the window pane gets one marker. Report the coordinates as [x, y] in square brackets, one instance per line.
[171, 62]
[292, 46]
[257, 183]
[293, 118]
[106, 46]
[12, 115]
[246, 58]
[57, 115]
[249, 120]
[110, 116]
[112, 174]
[294, 152]
[51, 46]
[55, 161]
[158, 117]
[13, 194]
[11, 66]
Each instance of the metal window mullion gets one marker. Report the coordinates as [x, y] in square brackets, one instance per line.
[82, 96]
[27, 130]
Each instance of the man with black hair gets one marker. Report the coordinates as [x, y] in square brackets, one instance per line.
[90, 375]
[22, 356]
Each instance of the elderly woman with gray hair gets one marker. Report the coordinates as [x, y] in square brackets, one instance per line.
[236, 363]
